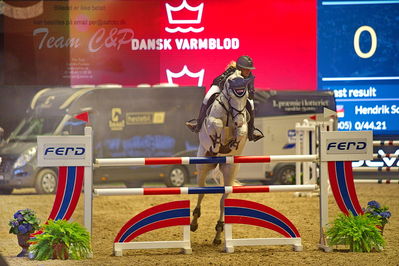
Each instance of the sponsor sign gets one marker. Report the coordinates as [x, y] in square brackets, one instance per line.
[143, 118]
[64, 151]
[346, 146]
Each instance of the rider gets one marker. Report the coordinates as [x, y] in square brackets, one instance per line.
[245, 65]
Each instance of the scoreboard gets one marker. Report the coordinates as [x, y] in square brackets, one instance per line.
[358, 58]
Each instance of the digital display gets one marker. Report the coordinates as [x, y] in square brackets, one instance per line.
[358, 58]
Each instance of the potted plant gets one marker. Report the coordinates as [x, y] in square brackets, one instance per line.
[23, 224]
[358, 232]
[382, 213]
[61, 240]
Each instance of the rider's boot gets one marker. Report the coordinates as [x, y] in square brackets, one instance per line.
[254, 134]
[195, 124]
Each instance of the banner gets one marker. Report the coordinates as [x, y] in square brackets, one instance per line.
[187, 42]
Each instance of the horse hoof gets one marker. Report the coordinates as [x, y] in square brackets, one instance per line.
[193, 227]
[197, 212]
[217, 242]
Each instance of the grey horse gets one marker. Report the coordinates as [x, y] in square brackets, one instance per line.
[223, 133]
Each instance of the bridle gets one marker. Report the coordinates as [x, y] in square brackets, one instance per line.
[230, 110]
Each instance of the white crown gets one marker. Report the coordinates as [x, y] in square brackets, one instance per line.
[198, 9]
[171, 75]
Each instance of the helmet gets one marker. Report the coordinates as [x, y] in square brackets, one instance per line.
[245, 61]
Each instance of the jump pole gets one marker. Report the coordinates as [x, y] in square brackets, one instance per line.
[107, 162]
[376, 169]
[202, 190]
[386, 143]
[377, 181]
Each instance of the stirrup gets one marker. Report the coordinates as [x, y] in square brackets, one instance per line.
[192, 125]
[257, 135]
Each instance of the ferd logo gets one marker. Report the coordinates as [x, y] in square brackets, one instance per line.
[62, 151]
[354, 146]
[346, 145]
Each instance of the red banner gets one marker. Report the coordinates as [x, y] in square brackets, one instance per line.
[187, 42]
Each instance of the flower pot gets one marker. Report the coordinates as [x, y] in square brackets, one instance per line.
[23, 243]
[60, 251]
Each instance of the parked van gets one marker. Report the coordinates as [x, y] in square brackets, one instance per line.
[127, 122]
[276, 113]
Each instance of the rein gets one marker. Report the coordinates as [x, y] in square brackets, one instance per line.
[229, 111]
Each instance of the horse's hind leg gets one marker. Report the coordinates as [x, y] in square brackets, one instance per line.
[203, 171]
[229, 174]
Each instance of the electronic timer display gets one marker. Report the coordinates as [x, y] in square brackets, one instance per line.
[358, 58]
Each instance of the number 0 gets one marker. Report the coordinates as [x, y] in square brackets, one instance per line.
[356, 38]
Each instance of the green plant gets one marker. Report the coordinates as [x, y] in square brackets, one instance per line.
[25, 222]
[358, 232]
[61, 239]
[380, 212]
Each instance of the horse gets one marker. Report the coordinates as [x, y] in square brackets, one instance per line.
[223, 133]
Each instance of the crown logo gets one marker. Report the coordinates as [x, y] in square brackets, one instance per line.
[184, 14]
[199, 75]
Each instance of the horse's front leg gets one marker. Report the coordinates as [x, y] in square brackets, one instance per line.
[229, 174]
[215, 133]
[203, 170]
[220, 223]
[240, 133]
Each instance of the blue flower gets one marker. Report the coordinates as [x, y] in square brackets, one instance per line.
[374, 204]
[19, 216]
[22, 229]
[25, 221]
[14, 223]
[29, 227]
[386, 214]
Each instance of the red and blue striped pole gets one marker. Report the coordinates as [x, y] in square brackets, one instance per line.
[203, 160]
[375, 169]
[386, 143]
[202, 190]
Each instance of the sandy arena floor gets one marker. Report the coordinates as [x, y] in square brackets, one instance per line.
[110, 213]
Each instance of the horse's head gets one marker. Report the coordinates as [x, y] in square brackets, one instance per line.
[236, 92]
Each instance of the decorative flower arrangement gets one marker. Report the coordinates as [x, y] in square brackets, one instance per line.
[25, 222]
[381, 212]
[61, 240]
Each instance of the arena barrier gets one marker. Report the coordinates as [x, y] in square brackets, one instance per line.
[53, 151]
